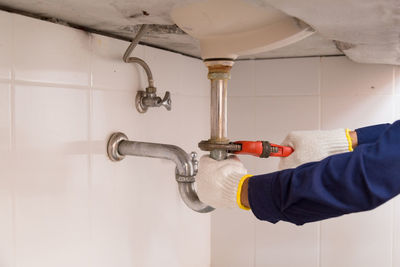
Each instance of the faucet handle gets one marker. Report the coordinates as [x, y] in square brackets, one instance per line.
[166, 102]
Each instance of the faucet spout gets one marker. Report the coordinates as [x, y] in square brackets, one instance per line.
[186, 165]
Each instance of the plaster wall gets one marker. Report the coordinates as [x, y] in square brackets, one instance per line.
[62, 202]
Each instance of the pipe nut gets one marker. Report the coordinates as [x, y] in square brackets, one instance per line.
[219, 76]
[185, 179]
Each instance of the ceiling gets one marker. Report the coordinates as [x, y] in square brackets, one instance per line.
[367, 31]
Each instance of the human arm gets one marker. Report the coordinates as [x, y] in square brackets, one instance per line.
[312, 146]
[369, 134]
[337, 185]
[218, 181]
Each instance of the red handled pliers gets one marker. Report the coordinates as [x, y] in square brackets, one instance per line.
[262, 149]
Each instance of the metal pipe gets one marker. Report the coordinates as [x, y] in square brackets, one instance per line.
[189, 196]
[127, 59]
[219, 73]
[186, 166]
[219, 110]
[182, 160]
[142, 31]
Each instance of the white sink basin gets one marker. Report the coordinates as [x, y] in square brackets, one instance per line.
[231, 28]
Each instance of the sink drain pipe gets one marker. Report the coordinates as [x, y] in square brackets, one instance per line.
[219, 74]
[186, 165]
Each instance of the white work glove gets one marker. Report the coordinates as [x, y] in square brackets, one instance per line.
[218, 181]
[312, 146]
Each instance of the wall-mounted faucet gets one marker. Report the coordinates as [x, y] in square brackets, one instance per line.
[186, 165]
[148, 98]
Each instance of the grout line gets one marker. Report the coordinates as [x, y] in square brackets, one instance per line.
[45, 84]
[394, 81]
[13, 142]
[253, 78]
[75, 86]
[393, 229]
[255, 242]
[392, 236]
[6, 80]
[272, 96]
[90, 171]
[289, 57]
[319, 249]
[319, 235]
[394, 103]
[319, 93]
[395, 232]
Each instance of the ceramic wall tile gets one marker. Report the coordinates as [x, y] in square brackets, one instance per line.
[285, 244]
[397, 80]
[396, 232]
[274, 121]
[51, 118]
[295, 76]
[51, 177]
[344, 112]
[168, 71]
[110, 71]
[7, 160]
[232, 238]
[242, 82]
[5, 117]
[342, 77]
[194, 78]
[363, 239]
[6, 44]
[50, 53]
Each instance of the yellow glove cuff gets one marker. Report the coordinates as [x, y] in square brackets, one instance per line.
[349, 140]
[239, 192]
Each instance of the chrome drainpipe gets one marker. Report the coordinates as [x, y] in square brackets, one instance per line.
[186, 165]
[219, 74]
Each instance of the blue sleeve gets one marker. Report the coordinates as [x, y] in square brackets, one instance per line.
[371, 134]
[340, 184]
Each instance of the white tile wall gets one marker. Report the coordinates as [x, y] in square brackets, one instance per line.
[284, 244]
[51, 183]
[6, 180]
[5, 45]
[396, 205]
[281, 77]
[5, 117]
[396, 233]
[306, 94]
[6, 175]
[346, 78]
[362, 239]
[232, 237]
[342, 111]
[397, 80]
[242, 79]
[109, 70]
[51, 118]
[46, 52]
[62, 202]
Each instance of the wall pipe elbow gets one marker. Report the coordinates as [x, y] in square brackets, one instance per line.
[119, 146]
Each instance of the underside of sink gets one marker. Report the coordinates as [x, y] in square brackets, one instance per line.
[232, 28]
